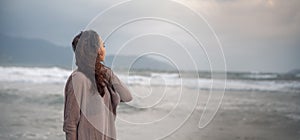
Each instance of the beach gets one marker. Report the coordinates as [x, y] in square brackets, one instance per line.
[250, 116]
[196, 69]
[35, 111]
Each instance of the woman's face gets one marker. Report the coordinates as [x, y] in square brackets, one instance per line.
[102, 51]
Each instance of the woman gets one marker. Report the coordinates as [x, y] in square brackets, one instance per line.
[92, 92]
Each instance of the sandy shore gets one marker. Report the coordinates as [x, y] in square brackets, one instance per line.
[242, 115]
[249, 116]
[35, 112]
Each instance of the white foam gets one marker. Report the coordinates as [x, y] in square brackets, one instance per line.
[260, 76]
[33, 74]
[58, 75]
[215, 84]
[295, 117]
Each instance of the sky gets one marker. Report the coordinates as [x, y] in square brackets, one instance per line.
[234, 35]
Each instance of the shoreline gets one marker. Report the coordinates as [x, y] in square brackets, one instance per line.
[35, 111]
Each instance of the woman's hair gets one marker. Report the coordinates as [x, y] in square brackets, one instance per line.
[86, 45]
[75, 41]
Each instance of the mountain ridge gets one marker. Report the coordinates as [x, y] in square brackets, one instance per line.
[41, 53]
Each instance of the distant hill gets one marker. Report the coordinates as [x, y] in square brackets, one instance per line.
[33, 52]
[41, 53]
[295, 71]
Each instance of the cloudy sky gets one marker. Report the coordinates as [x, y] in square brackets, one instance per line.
[254, 35]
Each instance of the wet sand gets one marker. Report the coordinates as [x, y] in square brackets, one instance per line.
[36, 112]
[249, 116]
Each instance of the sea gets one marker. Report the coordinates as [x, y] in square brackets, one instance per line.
[233, 81]
[32, 98]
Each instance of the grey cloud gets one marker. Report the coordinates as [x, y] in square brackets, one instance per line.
[256, 35]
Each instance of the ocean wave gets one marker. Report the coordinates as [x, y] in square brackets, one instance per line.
[59, 75]
[33, 74]
[260, 76]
